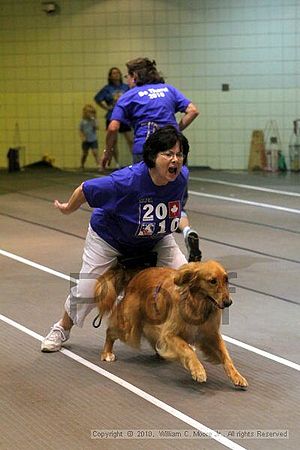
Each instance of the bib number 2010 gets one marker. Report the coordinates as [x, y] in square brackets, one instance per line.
[160, 212]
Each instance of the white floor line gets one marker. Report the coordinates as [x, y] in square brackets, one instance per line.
[256, 350]
[233, 341]
[135, 390]
[246, 186]
[246, 202]
[30, 263]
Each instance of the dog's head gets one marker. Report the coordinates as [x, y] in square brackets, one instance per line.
[209, 279]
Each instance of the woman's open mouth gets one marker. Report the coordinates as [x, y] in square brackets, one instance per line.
[173, 170]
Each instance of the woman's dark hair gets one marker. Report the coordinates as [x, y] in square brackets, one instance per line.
[162, 140]
[109, 79]
[144, 71]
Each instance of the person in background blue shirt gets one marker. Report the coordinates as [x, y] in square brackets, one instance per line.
[107, 97]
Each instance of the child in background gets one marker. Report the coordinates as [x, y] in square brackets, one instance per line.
[88, 133]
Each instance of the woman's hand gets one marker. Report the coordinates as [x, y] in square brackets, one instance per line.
[63, 207]
[110, 142]
[74, 202]
[106, 159]
[190, 114]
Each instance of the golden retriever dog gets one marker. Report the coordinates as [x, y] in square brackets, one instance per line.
[175, 310]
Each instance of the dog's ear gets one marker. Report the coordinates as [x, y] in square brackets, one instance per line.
[187, 274]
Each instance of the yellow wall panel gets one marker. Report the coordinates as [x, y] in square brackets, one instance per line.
[52, 65]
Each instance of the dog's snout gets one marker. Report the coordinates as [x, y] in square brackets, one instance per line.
[227, 302]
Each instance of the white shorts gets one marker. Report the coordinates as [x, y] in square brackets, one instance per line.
[98, 257]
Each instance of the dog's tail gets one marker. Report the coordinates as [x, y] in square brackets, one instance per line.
[109, 286]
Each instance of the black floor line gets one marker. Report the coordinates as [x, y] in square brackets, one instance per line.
[274, 227]
[232, 284]
[280, 258]
[250, 222]
[257, 252]
[31, 222]
[288, 300]
[44, 199]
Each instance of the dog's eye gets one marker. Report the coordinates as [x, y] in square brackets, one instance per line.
[213, 281]
[226, 279]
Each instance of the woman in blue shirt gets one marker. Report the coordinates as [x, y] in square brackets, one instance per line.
[149, 104]
[107, 97]
[136, 210]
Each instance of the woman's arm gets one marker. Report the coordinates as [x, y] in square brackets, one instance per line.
[104, 105]
[111, 139]
[74, 202]
[190, 114]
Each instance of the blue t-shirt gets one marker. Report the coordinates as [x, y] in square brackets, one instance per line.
[148, 108]
[110, 94]
[131, 213]
[89, 128]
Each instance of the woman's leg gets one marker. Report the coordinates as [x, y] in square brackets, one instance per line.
[96, 156]
[84, 155]
[168, 253]
[98, 257]
[129, 139]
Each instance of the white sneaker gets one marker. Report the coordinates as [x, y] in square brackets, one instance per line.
[53, 341]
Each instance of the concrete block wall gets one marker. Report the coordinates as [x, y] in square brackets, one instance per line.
[51, 65]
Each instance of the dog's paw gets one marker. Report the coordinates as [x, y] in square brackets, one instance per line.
[197, 370]
[109, 357]
[239, 381]
[198, 374]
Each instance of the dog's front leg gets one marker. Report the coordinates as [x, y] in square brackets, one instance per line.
[173, 347]
[237, 379]
[107, 354]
